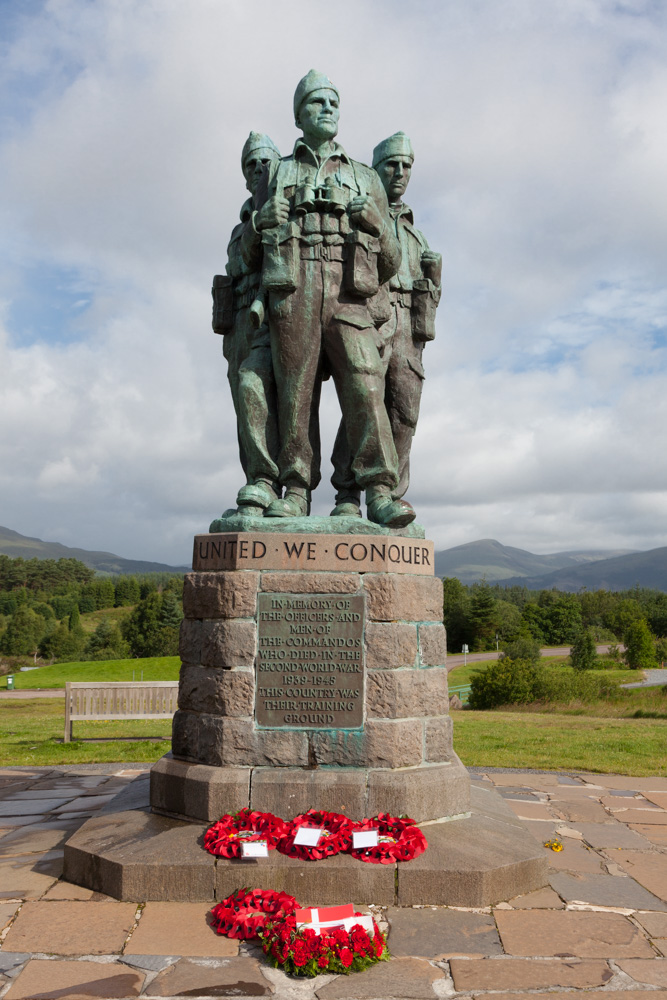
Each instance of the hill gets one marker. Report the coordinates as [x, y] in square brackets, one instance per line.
[644, 569]
[490, 560]
[13, 544]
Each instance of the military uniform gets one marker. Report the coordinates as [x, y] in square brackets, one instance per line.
[323, 277]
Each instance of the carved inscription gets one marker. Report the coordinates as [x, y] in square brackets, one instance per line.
[310, 662]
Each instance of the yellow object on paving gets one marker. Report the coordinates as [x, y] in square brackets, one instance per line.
[600, 925]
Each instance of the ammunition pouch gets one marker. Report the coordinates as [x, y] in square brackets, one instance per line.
[223, 303]
[380, 307]
[280, 268]
[361, 264]
[425, 299]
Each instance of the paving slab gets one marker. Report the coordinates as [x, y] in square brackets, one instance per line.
[564, 932]
[84, 803]
[655, 924]
[574, 858]
[648, 868]
[21, 881]
[46, 979]
[516, 792]
[649, 817]
[13, 807]
[66, 890]
[582, 810]
[589, 995]
[71, 927]
[658, 798]
[530, 810]
[655, 834]
[611, 834]
[37, 837]
[653, 972]
[179, 929]
[541, 899]
[11, 961]
[541, 782]
[439, 933]
[234, 977]
[528, 973]
[605, 890]
[404, 978]
[150, 963]
[624, 781]
[7, 911]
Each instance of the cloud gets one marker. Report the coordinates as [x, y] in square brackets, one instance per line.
[541, 157]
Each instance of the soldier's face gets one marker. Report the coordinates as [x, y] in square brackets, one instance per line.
[254, 165]
[395, 176]
[318, 115]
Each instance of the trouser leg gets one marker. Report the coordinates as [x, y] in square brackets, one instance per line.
[258, 411]
[295, 325]
[235, 349]
[358, 374]
[405, 377]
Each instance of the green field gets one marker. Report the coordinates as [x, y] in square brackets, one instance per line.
[154, 668]
[31, 733]
[464, 674]
[554, 741]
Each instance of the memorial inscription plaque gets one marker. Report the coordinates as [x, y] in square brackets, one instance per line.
[310, 663]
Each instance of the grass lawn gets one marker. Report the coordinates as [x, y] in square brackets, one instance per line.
[549, 740]
[155, 668]
[31, 733]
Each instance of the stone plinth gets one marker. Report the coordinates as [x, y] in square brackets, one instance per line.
[313, 675]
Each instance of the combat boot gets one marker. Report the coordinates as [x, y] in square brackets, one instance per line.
[381, 509]
[295, 503]
[347, 505]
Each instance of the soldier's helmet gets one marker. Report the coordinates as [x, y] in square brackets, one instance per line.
[312, 81]
[397, 144]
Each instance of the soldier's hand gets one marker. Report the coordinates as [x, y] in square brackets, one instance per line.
[365, 214]
[273, 212]
[431, 263]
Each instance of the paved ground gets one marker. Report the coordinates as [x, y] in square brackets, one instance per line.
[652, 678]
[599, 927]
[457, 659]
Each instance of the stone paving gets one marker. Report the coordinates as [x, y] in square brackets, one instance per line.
[600, 927]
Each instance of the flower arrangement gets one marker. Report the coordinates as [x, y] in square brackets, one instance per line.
[304, 952]
[399, 839]
[336, 835]
[225, 838]
[245, 913]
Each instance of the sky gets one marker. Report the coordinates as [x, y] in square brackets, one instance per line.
[540, 165]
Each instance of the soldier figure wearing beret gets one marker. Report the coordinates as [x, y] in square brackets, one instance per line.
[415, 292]
[245, 343]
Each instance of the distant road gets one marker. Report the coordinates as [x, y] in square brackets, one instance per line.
[458, 659]
[33, 693]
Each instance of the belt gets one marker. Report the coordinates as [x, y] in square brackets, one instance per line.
[322, 251]
[402, 299]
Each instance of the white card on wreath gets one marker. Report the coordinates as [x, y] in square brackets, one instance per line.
[364, 838]
[254, 849]
[308, 836]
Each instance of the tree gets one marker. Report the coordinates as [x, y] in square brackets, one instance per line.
[483, 617]
[148, 633]
[505, 682]
[524, 647]
[456, 611]
[23, 632]
[661, 651]
[106, 643]
[639, 646]
[583, 654]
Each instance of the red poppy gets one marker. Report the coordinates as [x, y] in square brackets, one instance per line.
[246, 912]
[346, 957]
[400, 839]
[225, 838]
[336, 835]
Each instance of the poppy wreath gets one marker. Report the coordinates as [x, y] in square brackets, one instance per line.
[307, 953]
[246, 912]
[227, 835]
[400, 839]
[336, 835]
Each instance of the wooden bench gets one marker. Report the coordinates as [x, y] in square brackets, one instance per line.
[113, 700]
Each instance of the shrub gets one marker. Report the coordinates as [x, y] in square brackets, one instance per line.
[524, 647]
[639, 646]
[505, 682]
[583, 653]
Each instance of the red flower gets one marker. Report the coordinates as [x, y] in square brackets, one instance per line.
[301, 955]
[337, 835]
[400, 840]
[247, 912]
[323, 961]
[346, 957]
[225, 837]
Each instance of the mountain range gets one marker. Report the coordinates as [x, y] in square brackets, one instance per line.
[610, 569]
[13, 544]
[486, 559]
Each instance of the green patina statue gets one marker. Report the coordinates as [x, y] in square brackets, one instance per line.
[245, 343]
[414, 292]
[326, 278]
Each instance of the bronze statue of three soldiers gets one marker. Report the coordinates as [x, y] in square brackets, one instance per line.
[327, 276]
